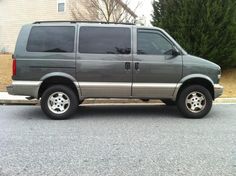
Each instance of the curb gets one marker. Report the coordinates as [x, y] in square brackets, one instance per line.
[225, 100]
[7, 99]
[19, 102]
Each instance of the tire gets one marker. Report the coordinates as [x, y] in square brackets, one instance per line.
[194, 101]
[59, 102]
[168, 102]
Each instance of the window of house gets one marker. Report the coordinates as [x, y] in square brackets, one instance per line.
[105, 40]
[153, 43]
[51, 39]
[61, 5]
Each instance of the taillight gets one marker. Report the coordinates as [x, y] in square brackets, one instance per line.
[13, 66]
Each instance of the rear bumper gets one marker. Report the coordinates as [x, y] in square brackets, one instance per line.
[10, 90]
[218, 90]
[27, 88]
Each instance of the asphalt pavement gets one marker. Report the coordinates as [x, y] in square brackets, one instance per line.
[119, 140]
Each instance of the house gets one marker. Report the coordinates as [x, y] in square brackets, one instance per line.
[14, 14]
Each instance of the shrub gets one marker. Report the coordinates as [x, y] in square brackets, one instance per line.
[206, 28]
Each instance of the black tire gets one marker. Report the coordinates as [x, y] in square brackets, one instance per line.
[67, 93]
[168, 102]
[186, 101]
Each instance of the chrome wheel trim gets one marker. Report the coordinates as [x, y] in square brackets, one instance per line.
[58, 102]
[195, 102]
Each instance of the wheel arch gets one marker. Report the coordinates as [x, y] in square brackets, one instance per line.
[58, 78]
[196, 79]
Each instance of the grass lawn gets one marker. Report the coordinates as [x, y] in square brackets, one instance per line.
[5, 71]
[228, 79]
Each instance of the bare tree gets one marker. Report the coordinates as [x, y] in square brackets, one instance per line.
[107, 10]
[123, 13]
[79, 13]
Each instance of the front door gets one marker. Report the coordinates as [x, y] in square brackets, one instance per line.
[104, 60]
[156, 71]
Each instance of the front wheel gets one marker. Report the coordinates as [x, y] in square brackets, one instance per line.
[194, 101]
[59, 102]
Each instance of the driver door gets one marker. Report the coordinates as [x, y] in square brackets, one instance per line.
[156, 71]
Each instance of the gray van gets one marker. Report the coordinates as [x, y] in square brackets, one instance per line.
[63, 63]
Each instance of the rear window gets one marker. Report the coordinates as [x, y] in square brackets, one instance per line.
[51, 39]
[105, 40]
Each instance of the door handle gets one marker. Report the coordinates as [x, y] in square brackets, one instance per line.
[127, 65]
[136, 66]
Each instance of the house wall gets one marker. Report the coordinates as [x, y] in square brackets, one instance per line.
[14, 14]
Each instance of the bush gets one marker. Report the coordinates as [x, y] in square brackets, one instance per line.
[206, 28]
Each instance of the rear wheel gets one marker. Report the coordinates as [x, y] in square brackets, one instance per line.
[59, 102]
[194, 101]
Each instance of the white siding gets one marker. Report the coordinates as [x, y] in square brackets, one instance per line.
[14, 14]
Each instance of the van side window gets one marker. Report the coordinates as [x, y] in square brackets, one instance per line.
[51, 39]
[153, 43]
[105, 40]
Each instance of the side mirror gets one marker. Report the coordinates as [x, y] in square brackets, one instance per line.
[175, 52]
[172, 53]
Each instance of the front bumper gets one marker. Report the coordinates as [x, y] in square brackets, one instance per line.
[26, 88]
[218, 90]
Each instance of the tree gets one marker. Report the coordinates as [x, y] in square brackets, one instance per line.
[107, 10]
[85, 14]
[206, 28]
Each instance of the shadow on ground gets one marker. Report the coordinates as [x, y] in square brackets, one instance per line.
[111, 111]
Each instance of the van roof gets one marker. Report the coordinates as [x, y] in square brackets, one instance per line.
[94, 22]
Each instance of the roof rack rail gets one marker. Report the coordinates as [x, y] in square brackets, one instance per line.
[100, 22]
